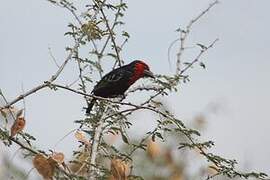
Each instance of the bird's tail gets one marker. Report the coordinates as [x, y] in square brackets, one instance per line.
[90, 106]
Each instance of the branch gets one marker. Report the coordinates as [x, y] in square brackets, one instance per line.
[184, 34]
[29, 149]
[57, 73]
[112, 37]
[203, 50]
[94, 150]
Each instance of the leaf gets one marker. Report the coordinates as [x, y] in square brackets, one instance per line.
[17, 126]
[202, 65]
[44, 167]
[52, 1]
[128, 124]
[187, 63]
[185, 145]
[30, 137]
[112, 55]
[124, 137]
[159, 135]
[119, 169]
[153, 137]
[58, 157]
[203, 47]
[80, 136]
[193, 131]
[90, 132]
[124, 33]
[153, 149]
[167, 129]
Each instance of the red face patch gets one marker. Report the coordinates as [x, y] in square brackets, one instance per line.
[138, 72]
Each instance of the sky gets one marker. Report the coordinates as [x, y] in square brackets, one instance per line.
[233, 91]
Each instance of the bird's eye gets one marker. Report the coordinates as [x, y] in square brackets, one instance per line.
[146, 67]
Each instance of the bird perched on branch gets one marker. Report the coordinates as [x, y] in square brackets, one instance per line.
[116, 82]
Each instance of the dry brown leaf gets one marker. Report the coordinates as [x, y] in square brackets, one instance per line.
[58, 157]
[153, 149]
[17, 126]
[120, 169]
[212, 170]
[44, 166]
[80, 136]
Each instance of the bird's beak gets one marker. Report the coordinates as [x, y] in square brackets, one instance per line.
[148, 73]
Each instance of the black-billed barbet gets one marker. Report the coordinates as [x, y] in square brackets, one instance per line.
[116, 82]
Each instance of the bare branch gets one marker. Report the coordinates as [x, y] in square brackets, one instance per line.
[112, 37]
[184, 34]
[203, 50]
[57, 73]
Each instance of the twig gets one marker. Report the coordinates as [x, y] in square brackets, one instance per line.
[53, 58]
[184, 34]
[169, 50]
[79, 21]
[57, 73]
[10, 111]
[24, 103]
[41, 86]
[36, 152]
[94, 149]
[203, 50]
[112, 37]
[107, 41]
[22, 146]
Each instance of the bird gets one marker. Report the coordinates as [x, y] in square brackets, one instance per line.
[116, 82]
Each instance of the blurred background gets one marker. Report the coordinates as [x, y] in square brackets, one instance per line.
[231, 96]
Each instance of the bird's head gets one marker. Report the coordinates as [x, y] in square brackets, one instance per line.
[142, 69]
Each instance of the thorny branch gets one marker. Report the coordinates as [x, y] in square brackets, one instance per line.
[112, 116]
[185, 32]
[23, 146]
[112, 37]
[203, 49]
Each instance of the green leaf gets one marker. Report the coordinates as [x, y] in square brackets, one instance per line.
[112, 55]
[91, 133]
[202, 65]
[153, 137]
[202, 46]
[124, 33]
[124, 137]
[159, 135]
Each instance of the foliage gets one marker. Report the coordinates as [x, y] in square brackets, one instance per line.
[100, 28]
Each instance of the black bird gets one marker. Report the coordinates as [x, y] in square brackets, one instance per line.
[117, 81]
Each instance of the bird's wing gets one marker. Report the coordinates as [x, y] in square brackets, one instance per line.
[112, 79]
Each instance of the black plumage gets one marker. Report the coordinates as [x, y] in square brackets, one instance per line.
[117, 81]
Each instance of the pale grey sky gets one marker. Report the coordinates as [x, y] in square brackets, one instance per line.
[236, 77]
